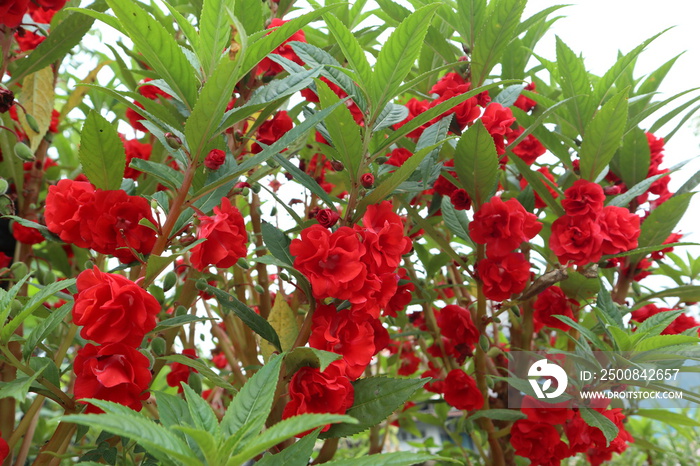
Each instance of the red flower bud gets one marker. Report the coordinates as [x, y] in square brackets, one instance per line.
[337, 165]
[6, 99]
[327, 217]
[214, 159]
[367, 180]
[612, 190]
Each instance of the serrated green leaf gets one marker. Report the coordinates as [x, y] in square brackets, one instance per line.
[456, 220]
[66, 35]
[44, 328]
[19, 387]
[634, 157]
[392, 114]
[397, 56]
[178, 321]
[344, 132]
[375, 399]
[603, 136]
[352, 50]
[574, 83]
[661, 222]
[584, 331]
[101, 152]
[476, 163]
[606, 304]
[159, 49]
[138, 428]
[294, 455]
[277, 243]
[214, 31]
[254, 321]
[254, 401]
[668, 417]
[472, 14]
[305, 180]
[595, 419]
[201, 412]
[689, 185]
[164, 173]
[493, 38]
[312, 357]
[173, 410]
[688, 293]
[283, 430]
[401, 458]
[664, 341]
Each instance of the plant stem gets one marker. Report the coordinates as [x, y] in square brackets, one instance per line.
[261, 268]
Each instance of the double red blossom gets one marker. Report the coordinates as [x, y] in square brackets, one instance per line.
[271, 130]
[504, 276]
[225, 235]
[113, 309]
[461, 391]
[114, 372]
[503, 226]
[549, 304]
[268, 67]
[540, 442]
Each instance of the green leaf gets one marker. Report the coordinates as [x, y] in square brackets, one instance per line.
[284, 87]
[499, 414]
[689, 185]
[661, 222]
[7, 297]
[254, 401]
[101, 152]
[201, 412]
[185, 26]
[688, 293]
[177, 321]
[476, 163]
[471, 14]
[351, 49]
[305, 180]
[494, 37]
[634, 158]
[398, 55]
[574, 83]
[284, 430]
[584, 331]
[606, 304]
[18, 388]
[386, 187]
[375, 399]
[159, 49]
[294, 455]
[595, 419]
[31, 306]
[305, 356]
[344, 132]
[536, 181]
[277, 243]
[456, 220]
[172, 410]
[202, 368]
[622, 200]
[66, 35]
[37, 97]
[254, 321]
[667, 417]
[401, 458]
[136, 427]
[392, 114]
[214, 31]
[603, 136]
[664, 341]
[45, 328]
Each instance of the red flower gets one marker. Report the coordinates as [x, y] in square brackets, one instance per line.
[549, 413]
[113, 309]
[225, 235]
[327, 217]
[620, 229]
[398, 156]
[503, 226]
[539, 442]
[28, 40]
[415, 108]
[497, 120]
[271, 68]
[583, 198]
[585, 438]
[313, 391]
[367, 180]
[26, 235]
[456, 324]
[5, 260]
[152, 92]
[437, 384]
[504, 276]
[12, 11]
[442, 185]
[4, 449]
[135, 118]
[402, 297]
[549, 303]
[460, 199]
[461, 391]
[576, 239]
[62, 211]
[111, 223]
[214, 159]
[51, 4]
[529, 149]
[180, 372]
[351, 334]
[271, 130]
[679, 325]
[114, 372]
[331, 261]
[135, 150]
[383, 238]
[523, 102]
[539, 203]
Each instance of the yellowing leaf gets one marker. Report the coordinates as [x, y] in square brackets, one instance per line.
[37, 98]
[283, 320]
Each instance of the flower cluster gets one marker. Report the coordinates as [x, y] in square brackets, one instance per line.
[588, 230]
[108, 221]
[116, 313]
[502, 227]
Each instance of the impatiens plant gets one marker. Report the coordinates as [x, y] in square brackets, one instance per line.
[238, 231]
